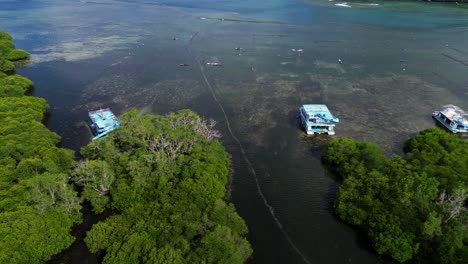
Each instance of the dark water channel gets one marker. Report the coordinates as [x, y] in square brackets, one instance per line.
[401, 61]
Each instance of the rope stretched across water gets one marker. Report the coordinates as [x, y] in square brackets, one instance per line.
[250, 166]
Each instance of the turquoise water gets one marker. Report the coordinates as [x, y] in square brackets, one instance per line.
[401, 61]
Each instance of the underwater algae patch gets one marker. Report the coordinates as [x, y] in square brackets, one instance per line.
[385, 109]
[259, 105]
[83, 49]
[109, 89]
[169, 94]
[127, 91]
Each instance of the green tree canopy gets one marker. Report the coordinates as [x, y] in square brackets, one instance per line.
[408, 207]
[38, 206]
[17, 54]
[165, 177]
[7, 48]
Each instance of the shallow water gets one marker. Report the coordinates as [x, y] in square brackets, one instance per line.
[401, 61]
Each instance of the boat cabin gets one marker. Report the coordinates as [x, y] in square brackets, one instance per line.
[317, 119]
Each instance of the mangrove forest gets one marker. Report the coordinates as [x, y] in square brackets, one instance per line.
[411, 208]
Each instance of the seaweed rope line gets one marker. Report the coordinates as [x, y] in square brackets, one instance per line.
[250, 166]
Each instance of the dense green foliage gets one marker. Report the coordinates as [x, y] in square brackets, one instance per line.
[411, 208]
[5, 35]
[14, 85]
[37, 205]
[165, 178]
[17, 54]
[8, 52]
[6, 66]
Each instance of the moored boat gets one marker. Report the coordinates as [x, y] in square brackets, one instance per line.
[317, 119]
[102, 122]
[453, 118]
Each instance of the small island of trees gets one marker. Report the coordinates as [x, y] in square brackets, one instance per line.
[163, 177]
[411, 208]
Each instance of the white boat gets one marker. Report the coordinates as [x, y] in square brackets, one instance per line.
[317, 119]
[453, 118]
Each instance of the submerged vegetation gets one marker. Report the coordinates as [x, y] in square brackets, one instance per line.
[37, 205]
[411, 208]
[165, 178]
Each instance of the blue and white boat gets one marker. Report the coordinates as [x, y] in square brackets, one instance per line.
[317, 119]
[102, 121]
[453, 118]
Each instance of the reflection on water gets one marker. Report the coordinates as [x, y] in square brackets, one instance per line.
[381, 69]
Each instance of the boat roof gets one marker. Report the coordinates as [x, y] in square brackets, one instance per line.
[313, 108]
[456, 114]
[320, 109]
[103, 118]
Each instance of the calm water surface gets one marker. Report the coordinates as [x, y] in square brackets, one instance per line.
[401, 61]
